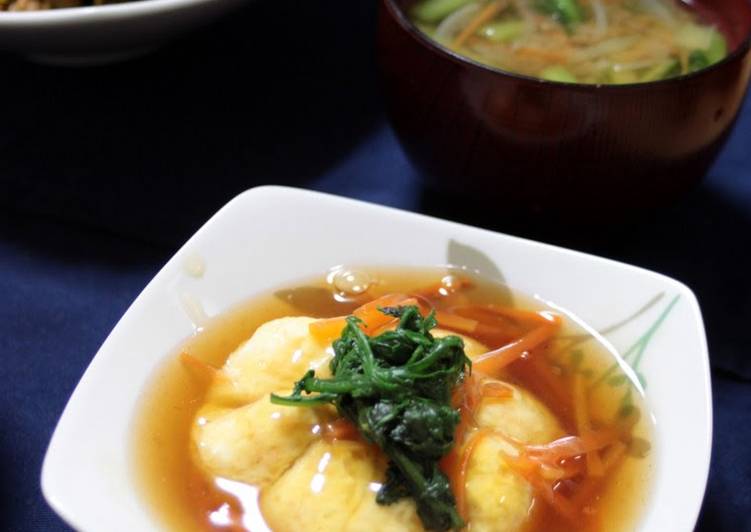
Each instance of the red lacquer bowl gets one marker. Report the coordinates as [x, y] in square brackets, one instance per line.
[569, 149]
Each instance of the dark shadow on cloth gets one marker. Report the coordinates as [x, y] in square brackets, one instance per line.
[70, 244]
[727, 499]
[275, 93]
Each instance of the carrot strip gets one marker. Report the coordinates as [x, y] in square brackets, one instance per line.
[530, 471]
[581, 415]
[548, 386]
[492, 362]
[465, 398]
[467, 401]
[383, 328]
[542, 53]
[456, 323]
[424, 303]
[485, 14]
[489, 322]
[329, 329]
[340, 429]
[450, 284]
[514, 313]
[566, 468]
[587, 488]
[570, 446]
[373, 318]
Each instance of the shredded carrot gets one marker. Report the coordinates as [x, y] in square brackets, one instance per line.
[489, 323]
[329, 329]
[531, 472]
[485, 14]
[566, 468]
[581, 415]
[466, 400]
[516, 314]
[492, 362]
[571, 446]
[548, 385]
[554, 55]
[589, 486]
[423, 302]
[445, 287]
[455, 322]
[340, 429]
[391, 325]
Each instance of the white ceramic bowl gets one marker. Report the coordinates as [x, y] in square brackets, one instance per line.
[101, 34]
[270, 236]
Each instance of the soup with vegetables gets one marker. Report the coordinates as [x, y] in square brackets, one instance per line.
[576, 41]
[391, 400]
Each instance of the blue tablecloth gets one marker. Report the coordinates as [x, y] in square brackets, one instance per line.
[105, 171]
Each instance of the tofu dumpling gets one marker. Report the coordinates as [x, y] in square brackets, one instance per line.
[498, 499]
[277, 355]
[373, 517]
[522, 417]
[322, 490]
[255, 443]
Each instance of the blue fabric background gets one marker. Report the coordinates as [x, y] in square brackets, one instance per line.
[105, 171]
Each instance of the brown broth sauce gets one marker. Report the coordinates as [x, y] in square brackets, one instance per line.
[183, 497]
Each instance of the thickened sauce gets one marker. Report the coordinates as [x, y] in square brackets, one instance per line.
[184, 497]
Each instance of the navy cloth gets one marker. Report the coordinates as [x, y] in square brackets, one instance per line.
[105, 171]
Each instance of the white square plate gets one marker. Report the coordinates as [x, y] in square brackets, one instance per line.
[272, 235]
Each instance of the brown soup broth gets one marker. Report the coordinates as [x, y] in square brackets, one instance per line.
[184, 498]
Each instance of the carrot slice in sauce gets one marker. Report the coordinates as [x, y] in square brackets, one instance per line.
[455, 322]
[581, 414]
[492, 362]
[329, 329]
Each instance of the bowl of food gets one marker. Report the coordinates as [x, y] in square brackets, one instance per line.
[564, 106]
[394, 372]
[85, 32]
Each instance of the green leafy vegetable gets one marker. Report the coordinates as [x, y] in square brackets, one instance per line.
[559, 74]
[396, 388]
[434, 10]
[567, 12]
[504, 31]
[718, 48]
[664, 70]
[697, 61]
